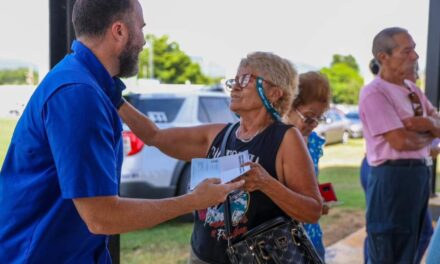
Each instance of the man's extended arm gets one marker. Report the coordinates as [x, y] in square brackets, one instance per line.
[114, 215]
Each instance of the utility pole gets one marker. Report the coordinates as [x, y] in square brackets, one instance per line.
[432, 82]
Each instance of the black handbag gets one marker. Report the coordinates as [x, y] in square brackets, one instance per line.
[277, 241]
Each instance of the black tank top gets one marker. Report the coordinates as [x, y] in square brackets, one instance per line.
[248, 210]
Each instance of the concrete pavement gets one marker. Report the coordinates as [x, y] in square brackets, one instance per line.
[348, 250]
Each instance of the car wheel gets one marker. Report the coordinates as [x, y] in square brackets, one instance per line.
[182, 188]
[345, 137]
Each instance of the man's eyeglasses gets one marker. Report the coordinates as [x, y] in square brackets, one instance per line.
[308, 120]
[416, 104]
[242, 81]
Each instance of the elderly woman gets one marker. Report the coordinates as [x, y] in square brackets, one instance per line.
[281, 181]
[307, 110]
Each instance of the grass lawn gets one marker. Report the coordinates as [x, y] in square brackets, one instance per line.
[340, 166]
[6, 128]
[166, 243]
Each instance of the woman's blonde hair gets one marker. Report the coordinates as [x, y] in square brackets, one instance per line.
[277, 70]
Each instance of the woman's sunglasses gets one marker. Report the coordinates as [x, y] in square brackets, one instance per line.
[308, 120]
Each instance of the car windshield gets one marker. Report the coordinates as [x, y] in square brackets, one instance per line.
[160, 110]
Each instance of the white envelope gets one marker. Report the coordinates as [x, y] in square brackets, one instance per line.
[226, 168]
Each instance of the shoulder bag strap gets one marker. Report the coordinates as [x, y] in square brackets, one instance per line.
[227, 210]
[225, 139]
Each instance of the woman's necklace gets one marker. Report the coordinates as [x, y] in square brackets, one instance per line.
[248, 139]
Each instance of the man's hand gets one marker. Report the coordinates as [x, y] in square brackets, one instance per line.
[210, 192]
[429, 124]
[115, 94]
[418, 123]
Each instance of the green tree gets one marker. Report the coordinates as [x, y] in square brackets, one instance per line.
[345, 79]
[18, 76]
[170, 63]
[349, 60]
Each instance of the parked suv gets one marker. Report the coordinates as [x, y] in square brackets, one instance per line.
[146, 171]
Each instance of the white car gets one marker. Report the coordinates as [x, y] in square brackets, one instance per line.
[336, 127]
[146, 171]
[355, 124]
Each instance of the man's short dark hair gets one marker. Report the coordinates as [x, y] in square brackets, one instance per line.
[92, 17]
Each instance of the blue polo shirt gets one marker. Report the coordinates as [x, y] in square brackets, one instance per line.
[66, 145]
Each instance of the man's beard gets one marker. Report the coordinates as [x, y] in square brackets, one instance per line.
[128, 61]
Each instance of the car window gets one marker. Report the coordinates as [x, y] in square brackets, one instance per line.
[214, 110]
[160, 110]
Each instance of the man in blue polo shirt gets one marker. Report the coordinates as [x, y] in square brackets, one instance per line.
[60, 179]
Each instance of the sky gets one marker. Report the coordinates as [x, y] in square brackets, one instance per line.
[222, 32]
